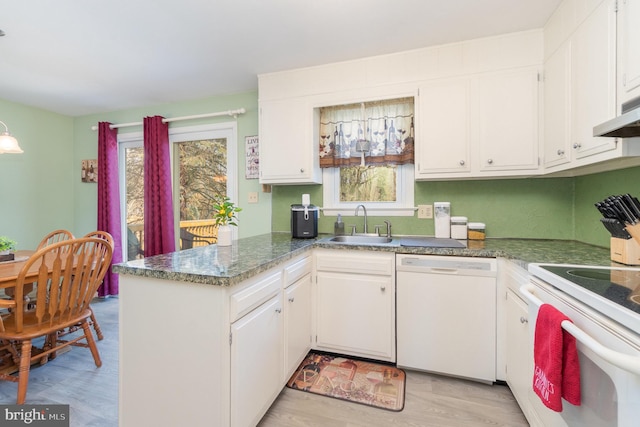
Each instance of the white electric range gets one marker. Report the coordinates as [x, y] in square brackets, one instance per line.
[603, 304]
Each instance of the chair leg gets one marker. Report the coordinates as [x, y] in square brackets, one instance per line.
[92, 343]
[95, 325]
[23, 375]
[51, 341]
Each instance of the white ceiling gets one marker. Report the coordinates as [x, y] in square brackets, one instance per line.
[79, 57]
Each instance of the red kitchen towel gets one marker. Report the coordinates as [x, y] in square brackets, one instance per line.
[556, 372]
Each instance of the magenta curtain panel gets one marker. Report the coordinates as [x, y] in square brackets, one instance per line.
[109, 200]
[159, 234]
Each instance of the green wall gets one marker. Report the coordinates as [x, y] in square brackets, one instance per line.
[36, 187]
[528, 208]
[593, 188]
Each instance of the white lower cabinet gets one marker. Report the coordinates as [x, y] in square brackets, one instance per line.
[519, 351]
[297, 315]
[230, 344]
[256, 362]
[355, 303]
[519, 355]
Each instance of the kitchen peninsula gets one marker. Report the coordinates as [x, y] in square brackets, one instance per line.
[208, 335]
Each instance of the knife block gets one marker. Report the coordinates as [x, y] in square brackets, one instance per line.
[625, 251]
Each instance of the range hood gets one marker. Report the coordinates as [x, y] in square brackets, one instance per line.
[626, 125]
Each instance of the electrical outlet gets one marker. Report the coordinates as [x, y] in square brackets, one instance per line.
[253, 197]
[425, 211]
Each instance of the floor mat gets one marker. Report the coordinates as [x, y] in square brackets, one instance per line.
[349, 379]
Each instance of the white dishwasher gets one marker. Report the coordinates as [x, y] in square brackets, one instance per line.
[446, 315]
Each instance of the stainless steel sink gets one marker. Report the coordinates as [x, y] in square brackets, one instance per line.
[362, 240]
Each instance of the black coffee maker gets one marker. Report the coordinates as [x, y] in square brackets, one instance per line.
[304, 221]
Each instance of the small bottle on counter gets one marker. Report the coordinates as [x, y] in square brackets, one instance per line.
[338, 227]
[459, 227]
[477, 231]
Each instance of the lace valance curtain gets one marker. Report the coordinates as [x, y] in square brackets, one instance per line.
[379, 132]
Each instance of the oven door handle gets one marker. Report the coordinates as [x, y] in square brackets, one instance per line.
[621, 360]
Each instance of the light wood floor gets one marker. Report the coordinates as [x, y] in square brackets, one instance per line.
[431, 400]
[73, 379]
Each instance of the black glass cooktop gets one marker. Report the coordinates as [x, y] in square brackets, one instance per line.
[619, 286]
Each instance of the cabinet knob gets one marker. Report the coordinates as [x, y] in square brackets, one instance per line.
[560, 152]
[576, 145]
[301, 170]
[278, 310]
[291, 299]
[462, 162]
[490, 161]
[383, 288]
[523, 320]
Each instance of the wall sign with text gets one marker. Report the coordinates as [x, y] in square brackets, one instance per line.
[253, 162]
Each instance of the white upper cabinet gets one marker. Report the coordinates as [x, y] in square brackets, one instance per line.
[444, 119]
[508, 122]
[594, 79]
[288, 131]
[628, 50]
[476, 92]
[580, 89]
[557, 107]
[479, 125]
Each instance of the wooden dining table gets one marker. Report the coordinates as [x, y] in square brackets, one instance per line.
[9, 270]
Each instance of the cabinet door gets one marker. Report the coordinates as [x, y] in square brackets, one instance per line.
[594, 80]
[508, 121]
[256, 362]
[356, 314]
[519, 354]
[297, 310]
[288, 153]
[443, 142]
[557, 107]
[629, 49]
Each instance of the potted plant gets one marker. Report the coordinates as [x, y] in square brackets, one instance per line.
[7, 248]
[225, 217]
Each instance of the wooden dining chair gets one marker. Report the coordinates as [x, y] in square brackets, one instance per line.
[93, 322]
[68, 275]
[109, 238]
[55, 237]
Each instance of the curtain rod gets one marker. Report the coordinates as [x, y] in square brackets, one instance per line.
[233, 113]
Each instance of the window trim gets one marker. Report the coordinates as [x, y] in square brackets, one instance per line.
[405, 184]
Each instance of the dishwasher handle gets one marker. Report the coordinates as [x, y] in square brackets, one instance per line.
[443, 270]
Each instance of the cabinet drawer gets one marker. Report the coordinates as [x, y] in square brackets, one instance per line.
[297, 270]
[356, 262]
[254, 294]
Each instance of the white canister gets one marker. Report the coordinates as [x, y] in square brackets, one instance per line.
[459, 227]
[442, 214]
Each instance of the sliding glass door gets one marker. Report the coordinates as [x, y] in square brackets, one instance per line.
[204, 169]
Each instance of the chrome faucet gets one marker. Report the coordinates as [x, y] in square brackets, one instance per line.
[365, 216]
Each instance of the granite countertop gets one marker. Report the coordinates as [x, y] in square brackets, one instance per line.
[226, 266]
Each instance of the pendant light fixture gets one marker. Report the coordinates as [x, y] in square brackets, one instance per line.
[8, 144]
